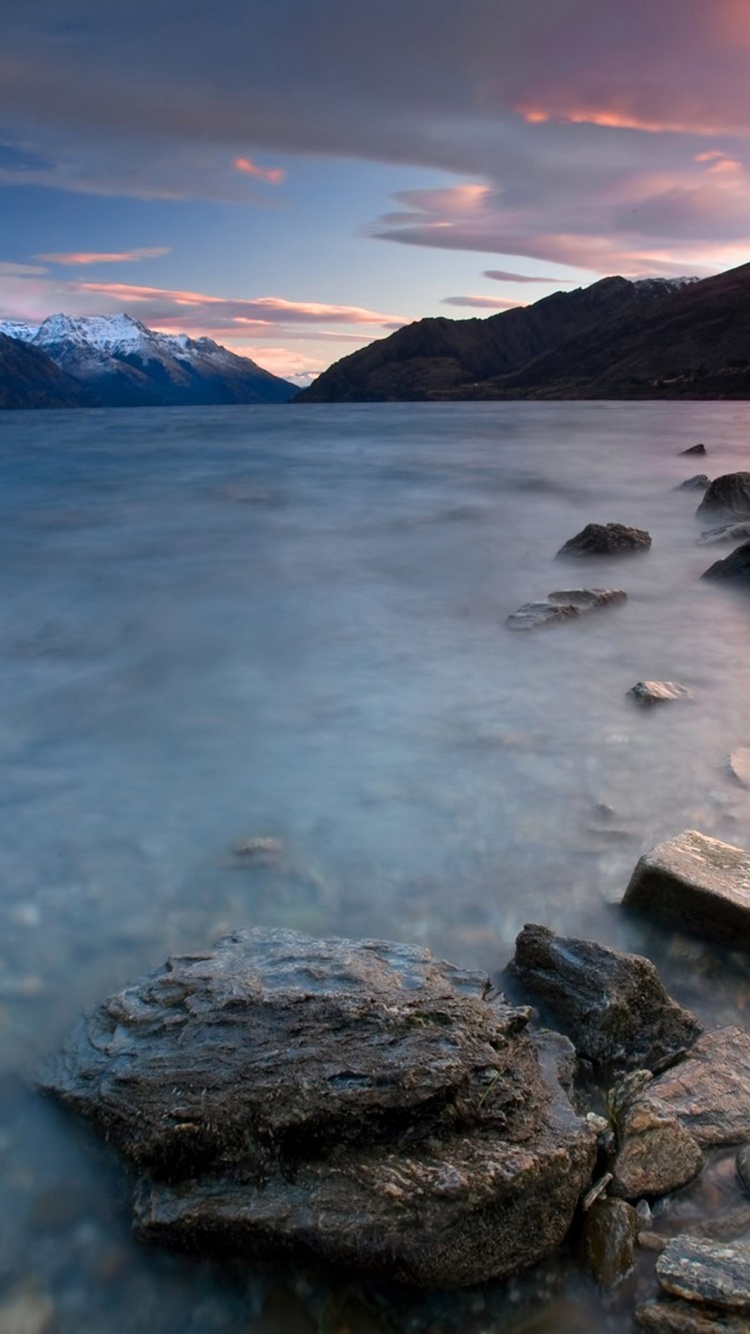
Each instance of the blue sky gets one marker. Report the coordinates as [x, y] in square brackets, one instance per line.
[297, 177]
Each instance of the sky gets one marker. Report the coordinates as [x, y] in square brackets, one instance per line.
[295, 178]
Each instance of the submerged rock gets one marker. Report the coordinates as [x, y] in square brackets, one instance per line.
[699, 884]
[704, 1271]
[356, 1102]
[606, 539]
[561, 605]
[728, 494]
[694, 449]
[733, 569]
[739, 765]
[613, 1006]
[674, 1316]
[726, 532]
[710, 1089]
[658, 692]
[699, 482]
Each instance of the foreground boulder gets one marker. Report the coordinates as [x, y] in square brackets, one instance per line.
[727, 495]
[606, 539]
[359, 1103]
[699, 884]
[733, 569]
[613, 1006]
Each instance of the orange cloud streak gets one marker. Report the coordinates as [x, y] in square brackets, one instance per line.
[272, 175]
[99, 257]
[612, 119]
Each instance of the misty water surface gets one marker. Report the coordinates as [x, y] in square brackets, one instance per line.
[220, 624]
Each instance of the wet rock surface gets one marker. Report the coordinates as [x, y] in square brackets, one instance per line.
[606, 539]
[710, 1089]
[673, 1316]
[613, 1006]
[658, 692]
[699, 884]
[561, 605]
[608, 1241]
[656, 1154]
[727, 495]
[357, 1102]
[733, 569]
[698, 482]
[704, 1271]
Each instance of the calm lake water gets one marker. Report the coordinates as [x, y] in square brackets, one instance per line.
[220, 624]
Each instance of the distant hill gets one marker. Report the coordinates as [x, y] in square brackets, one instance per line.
[122, 363]
[29, 379]
[655, 338]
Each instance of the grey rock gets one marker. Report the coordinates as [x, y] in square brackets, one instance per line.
[727, 495]
[726, 532]
[613, 1006]
[658, 692]
[697, 483]
[656, 1154]
[674, 1316]
[561, 605]
[608, 1241]
[733, 569]
[356, 1102]
[710, 1089]
[694, 449]
[698, 884]
[706, 1271]
[606, 539]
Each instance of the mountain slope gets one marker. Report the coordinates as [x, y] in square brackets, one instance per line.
[440, 358]
[29, 379]
[126, 364]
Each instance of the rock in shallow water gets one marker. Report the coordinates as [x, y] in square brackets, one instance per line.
[727, 495]
[699, 884]
[561, 605]
[733, 569]
[613, 1006]
[608, 1241]
[606, 539]
[704, 1271]
[710, 1089]
[656, 1154]
[359, 1102]
[674, 1316]
[658, 692]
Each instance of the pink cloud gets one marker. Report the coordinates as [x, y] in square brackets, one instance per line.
[102, 257]
[273, 175]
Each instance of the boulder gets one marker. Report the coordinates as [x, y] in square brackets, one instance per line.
[658, 692]
[354, 1102]
[697, 483]
[698, 884]
[710, 1089]
[613, 1006]
[606, 539]
[656, 1154]
[703, 1271]
[727, 495]
[561, 605]
[733, 569]
[726, 532]
[694, 449]
[608, 1241]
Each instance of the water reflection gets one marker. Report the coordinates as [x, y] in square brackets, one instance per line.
[227, 624]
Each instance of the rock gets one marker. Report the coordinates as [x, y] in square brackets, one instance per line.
[656, 1154]
[677, 1317]
[734, 568]
[728, 494]
[743, 1165]
[608, 1241]
[698, 884]
[694, 449]
[697, 483]
[739, 765]
[613, 1006]
[726, 532]
[710, 1089]
[356, 1102]
[610, 539]
[651, 1241]
[658, 692]
[262, 851]
[704, 1271]
[533, 614]
[561, 605]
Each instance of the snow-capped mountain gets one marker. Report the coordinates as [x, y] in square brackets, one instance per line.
[126, 364]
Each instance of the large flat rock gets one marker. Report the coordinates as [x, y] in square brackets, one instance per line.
[699, 884]
[707, 1271]
[356, 1102]
[709, 1091]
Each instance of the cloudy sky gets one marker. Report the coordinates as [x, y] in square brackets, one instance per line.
[296, 177]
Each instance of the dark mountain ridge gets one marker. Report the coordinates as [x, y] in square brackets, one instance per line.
[616, 339]
[30, 379]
